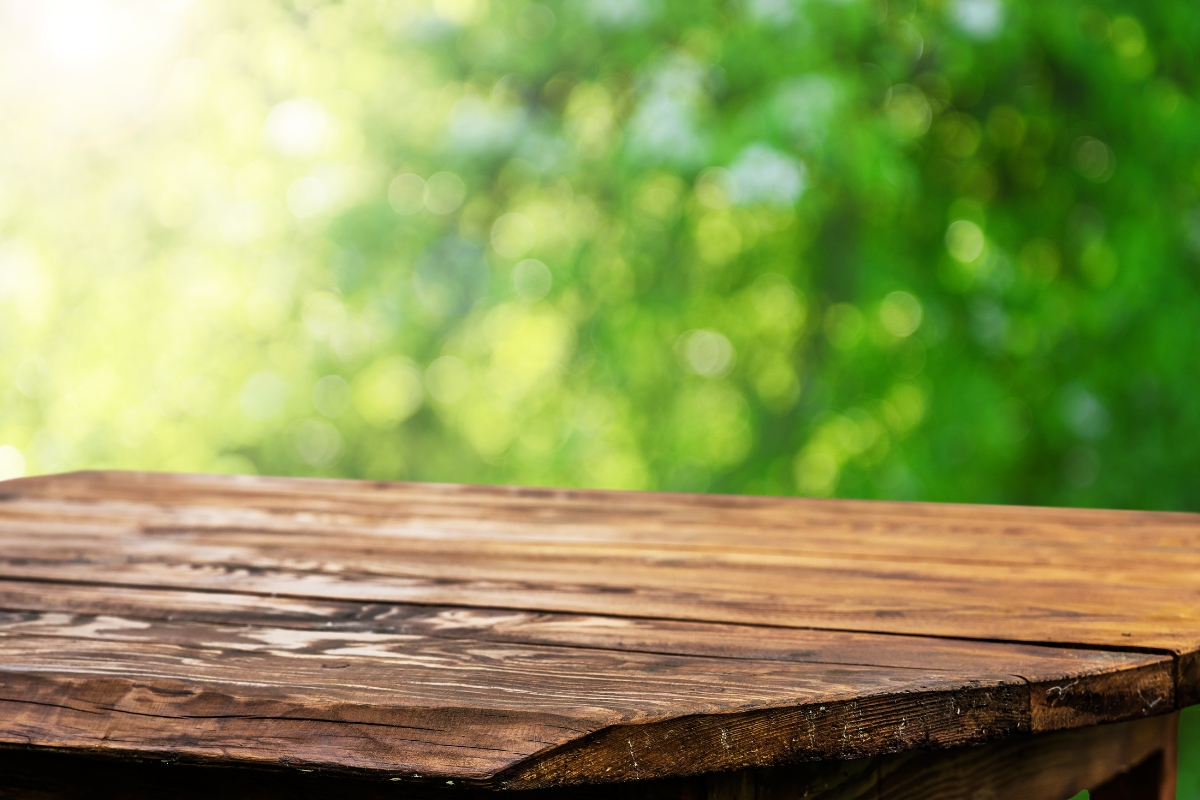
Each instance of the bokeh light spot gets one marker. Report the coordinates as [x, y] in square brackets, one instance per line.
[761, 174]
[532, 280]
[964, 240]
[307, 197]
[450, 276]
[707, 353]
[959, 135]
[718, 238]
[908, 110]
[816, 474]
[535, 21]
[1128, 37]
[317, 443]
[322, 313]
[388, 392]
[714, 187]
[33, 377]
[406, 193]
[12, 463]
[900, 314]
[263, 396]
[298, 127]
[1093, 159]
[444, 192]
[513, 235]
[331, 396]
[979, 19]
[448, 379]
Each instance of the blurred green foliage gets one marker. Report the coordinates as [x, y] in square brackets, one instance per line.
[919, 250]
[944, 251]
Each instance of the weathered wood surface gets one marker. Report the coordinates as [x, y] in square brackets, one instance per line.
[522, 638]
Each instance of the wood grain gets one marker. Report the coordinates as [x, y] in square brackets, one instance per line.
[525, 638]
[892, 567]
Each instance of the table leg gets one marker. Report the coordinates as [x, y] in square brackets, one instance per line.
[1152, 779]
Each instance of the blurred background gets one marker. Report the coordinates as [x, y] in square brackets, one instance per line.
[916, 249]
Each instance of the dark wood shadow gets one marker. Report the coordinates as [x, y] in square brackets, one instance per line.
[1124, 761]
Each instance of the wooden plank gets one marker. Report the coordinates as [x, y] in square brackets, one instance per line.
[1034, 663]
[797, 527]
[549, 700]
[463, 709]
[1007, 604]
[838, 529]
[834, 525]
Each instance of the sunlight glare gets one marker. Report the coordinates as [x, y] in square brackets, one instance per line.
[86, 61]
[75, 36]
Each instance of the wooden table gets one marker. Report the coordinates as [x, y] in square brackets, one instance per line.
[168, 635]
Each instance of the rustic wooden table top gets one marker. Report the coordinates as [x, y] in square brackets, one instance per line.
[517, 638]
